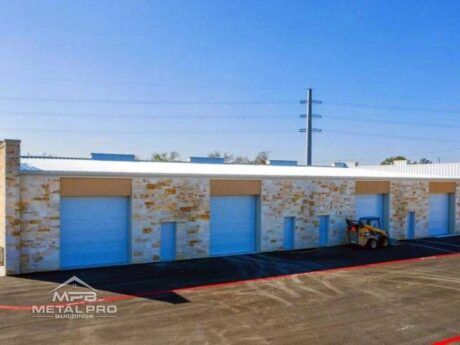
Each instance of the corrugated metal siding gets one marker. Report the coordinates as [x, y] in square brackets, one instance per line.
[436, 169]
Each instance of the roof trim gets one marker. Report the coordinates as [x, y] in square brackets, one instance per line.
[238, 177]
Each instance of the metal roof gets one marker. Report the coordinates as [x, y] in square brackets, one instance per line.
[451, 170]
[85, 167]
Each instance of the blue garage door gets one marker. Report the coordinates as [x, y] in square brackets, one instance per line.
[438, 219]
[233, 224]
[94, 231]
[369, 205]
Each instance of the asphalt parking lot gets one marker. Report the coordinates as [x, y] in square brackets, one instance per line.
[407, 294]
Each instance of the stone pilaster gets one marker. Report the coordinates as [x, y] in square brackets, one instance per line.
[40, 223]
[9, 206]
[405, 197]
[457, 208]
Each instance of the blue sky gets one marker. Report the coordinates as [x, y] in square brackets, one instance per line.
[198, 76]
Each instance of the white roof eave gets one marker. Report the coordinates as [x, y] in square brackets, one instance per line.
[73, 167]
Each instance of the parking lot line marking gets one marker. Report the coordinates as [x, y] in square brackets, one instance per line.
[431, 247]
[124, 297]
[443, 243]
[455, 339]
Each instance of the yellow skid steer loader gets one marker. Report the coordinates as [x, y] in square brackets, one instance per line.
[367, 232]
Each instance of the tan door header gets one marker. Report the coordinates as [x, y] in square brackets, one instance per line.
[235, 187]
[372, 187]
[442, 187]
[95, 187]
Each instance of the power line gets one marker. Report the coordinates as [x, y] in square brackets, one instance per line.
[58, 131]
[224, 116]
[391, 136]
[390, 107]
[150, 102]
[129, 115]
[393, 122]
[115, 82]
[201, 86]
[206, 103]
[440, 151]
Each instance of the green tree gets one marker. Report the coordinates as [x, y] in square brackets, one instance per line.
[390, 160]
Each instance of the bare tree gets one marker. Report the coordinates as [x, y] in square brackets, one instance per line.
[261, 158]
[172, 156]
[424, 161]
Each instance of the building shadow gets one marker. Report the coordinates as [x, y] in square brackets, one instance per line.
[164, 281]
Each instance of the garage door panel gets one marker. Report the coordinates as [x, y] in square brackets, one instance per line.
[369, 205]
[94, 231]
[233, 225]
[438, 214]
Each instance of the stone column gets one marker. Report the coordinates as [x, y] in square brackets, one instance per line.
[9, 207]
[457, 208]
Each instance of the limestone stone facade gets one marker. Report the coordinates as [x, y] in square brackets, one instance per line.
[2, 209]
[10, 229]
[184, 201]
[30, 213]
[407, 196]
[40, 226]
[305, 200]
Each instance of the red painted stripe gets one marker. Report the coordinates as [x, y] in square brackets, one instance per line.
[238, 282]
[452, 340]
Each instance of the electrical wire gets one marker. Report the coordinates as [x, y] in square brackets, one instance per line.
[58, 131]
[142, 102]
[137, 83]
[393, 107]
[75, 115]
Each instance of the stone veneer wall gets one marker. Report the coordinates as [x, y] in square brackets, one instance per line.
[305, 200]
[457, 208]
[181, 200]
[40, 223]
[10, 229]
[407, 196]
[186, 202]
[2, 209]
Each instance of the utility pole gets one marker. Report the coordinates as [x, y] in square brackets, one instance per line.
[309, 123]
